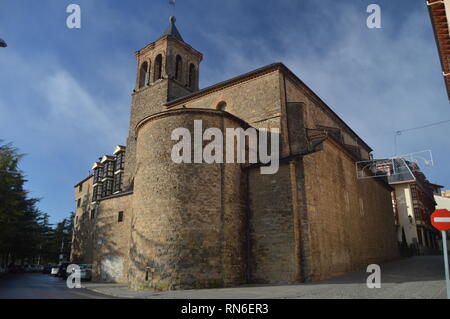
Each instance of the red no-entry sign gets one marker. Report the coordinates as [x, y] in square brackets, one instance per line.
[440, 219]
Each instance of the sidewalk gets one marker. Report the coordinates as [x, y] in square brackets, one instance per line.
[413, 278]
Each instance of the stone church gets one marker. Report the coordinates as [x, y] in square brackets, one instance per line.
[144, 220]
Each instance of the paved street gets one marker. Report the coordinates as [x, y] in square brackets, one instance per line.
[418, 277]
[39, 286]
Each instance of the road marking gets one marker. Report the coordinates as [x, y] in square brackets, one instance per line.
[442, 219]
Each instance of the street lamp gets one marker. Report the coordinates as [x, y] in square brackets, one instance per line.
[3, 43]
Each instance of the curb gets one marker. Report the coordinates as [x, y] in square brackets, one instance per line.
[107, 292]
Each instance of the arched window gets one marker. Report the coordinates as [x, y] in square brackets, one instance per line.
[158, 68]
[149, 80]
[192, 79]
[143, 75]
[178, 67]
[222, 106]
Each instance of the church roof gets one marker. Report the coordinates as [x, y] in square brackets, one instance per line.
[172, 30]
[252, 74]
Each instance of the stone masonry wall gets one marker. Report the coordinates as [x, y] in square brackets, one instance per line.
[188, 226]
[215, 225]
[256, 101]
[148, 101]
[271, 232]
[112, 240]
[151, 98]
[82, 240]
[315, 115]
[351, 222]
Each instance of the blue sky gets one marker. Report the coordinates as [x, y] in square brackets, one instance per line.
[65, 94]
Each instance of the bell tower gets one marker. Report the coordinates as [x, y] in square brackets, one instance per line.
[167, 69]
[169, 59]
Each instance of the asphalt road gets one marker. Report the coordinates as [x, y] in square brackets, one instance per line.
[40, 286]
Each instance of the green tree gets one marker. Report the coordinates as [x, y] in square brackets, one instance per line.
[26, 235]
[46, 247]
[19, 226]
[63, 236]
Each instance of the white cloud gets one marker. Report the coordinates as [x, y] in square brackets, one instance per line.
[70, 104]
[379, 81]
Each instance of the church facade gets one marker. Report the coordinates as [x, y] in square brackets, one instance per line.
[144, 220]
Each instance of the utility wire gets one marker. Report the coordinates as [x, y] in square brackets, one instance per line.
[420, 127]
[397, 133]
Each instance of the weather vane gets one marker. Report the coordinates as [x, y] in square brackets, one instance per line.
[173, 3]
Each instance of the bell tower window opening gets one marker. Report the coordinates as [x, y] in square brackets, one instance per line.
[178, 67]
[192, 76]
[148, 79]
[158, 68]
[143, 75]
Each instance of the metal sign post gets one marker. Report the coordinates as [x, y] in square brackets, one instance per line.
[440, 219]
[444, 247]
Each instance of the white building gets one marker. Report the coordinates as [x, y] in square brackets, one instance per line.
[442, 202]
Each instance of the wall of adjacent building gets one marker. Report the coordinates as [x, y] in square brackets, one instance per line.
[406, 215]
[111, 240]
[98, 238]
[83, 225]
[442, 202]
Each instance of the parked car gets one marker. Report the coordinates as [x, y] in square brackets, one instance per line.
[47, 269]
[15, 269]
[62, 270]
[85, 272]
[55, 270]
[33, 268]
